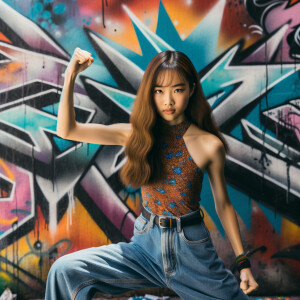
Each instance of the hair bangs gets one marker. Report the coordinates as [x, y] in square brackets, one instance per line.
[165, 75]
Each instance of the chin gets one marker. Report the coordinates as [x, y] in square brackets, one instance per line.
[169, 118]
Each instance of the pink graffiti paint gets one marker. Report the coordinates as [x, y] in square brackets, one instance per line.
[18, 207]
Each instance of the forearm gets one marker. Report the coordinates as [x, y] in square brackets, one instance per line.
[230, 224]
[66, 113]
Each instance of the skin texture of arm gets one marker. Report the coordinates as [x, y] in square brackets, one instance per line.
[225, 210]
[66, 113]
[223, 205]
[68, 128]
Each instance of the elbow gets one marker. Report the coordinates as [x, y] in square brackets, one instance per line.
[61, 134]
[59, 130]
[222, 206]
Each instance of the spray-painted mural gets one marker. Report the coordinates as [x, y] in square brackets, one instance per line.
[58, 196]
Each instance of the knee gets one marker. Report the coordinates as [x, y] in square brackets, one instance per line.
[59, 279]
[62, 265]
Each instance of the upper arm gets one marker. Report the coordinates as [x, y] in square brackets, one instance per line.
[114, 134]
[215, 172]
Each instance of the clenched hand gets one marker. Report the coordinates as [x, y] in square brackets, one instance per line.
[79, 61]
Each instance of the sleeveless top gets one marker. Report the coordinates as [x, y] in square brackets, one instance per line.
[179, 192]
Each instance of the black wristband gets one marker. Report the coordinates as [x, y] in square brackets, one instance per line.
[243, 264]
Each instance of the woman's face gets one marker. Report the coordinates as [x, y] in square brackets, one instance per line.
[171, 96]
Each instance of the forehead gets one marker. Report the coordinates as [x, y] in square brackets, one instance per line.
[169, 77]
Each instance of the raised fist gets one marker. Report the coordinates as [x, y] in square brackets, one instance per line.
[79, 61]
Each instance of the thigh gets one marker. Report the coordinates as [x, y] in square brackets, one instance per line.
[201, 273]
[117, 268]
[109, 269]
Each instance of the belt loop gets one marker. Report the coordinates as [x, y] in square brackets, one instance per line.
[151, 220]
[178, 223]
[201, 213]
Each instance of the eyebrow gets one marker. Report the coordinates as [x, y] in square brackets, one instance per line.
[178, 84]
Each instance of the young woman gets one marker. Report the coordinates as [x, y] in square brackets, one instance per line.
[170, 140]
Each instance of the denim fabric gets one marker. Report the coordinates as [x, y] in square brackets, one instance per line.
[185, 261]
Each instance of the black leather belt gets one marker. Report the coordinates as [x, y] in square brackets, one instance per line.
[169, 222]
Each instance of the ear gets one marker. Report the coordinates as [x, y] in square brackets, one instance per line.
[192, 91]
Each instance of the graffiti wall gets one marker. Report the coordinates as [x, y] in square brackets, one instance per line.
[58, 196]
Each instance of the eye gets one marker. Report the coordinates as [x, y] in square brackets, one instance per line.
[157, 91]
[180, 90]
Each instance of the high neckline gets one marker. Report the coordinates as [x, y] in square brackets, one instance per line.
[184, 123]
[175, 130]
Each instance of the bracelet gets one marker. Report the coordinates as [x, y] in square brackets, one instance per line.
[242, 262]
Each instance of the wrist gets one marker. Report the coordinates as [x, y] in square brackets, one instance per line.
[242, 262]
[245, 270]
[70, 76]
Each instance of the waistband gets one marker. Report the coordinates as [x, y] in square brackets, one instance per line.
[194, 217]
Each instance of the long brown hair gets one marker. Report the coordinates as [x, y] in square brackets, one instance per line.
[143, 146]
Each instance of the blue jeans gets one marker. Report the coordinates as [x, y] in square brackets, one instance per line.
[185, 261]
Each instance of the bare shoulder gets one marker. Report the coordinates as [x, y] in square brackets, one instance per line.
[208, 144]
[206, 139]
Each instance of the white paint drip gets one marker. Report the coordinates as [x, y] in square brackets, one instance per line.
[71, 206]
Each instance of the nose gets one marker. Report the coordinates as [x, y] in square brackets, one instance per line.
[168, 100]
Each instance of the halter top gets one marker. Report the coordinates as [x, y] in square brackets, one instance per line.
[179, 191]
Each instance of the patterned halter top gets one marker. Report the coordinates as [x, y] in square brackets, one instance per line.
[179, 192]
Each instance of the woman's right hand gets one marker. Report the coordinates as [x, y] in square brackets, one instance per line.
[79, 61]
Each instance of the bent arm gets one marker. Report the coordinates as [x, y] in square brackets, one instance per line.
[68, 128]
[224, 208]
[114, 134]
[227, 213]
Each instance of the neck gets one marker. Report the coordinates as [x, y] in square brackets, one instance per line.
[167, 128]
[174, 122]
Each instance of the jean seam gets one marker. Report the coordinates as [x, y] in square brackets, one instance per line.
[172, 252]
[106, 280]
[163, 252]
[141, 218]
[147, 226]
[169, 259]
[181, 234]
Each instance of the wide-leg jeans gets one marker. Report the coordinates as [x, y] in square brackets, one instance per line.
[185, 261]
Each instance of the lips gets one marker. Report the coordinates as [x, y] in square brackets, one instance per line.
[169, 111]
